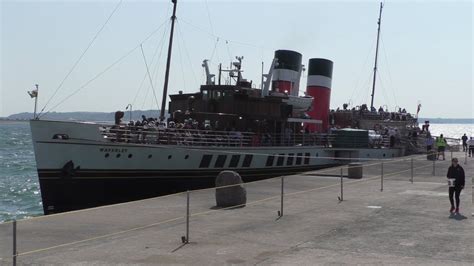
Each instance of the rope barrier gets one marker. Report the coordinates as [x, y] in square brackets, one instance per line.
[99, 237]
[375, 178]
[323, 171]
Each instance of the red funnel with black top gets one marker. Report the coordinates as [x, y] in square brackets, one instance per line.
[319, 87]
[287, 72]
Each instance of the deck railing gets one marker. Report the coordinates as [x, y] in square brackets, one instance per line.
[195, 137]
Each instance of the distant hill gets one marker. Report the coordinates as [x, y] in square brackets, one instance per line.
[447, 120]
[85, 116]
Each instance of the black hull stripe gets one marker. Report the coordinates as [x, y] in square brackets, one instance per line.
[143, 173]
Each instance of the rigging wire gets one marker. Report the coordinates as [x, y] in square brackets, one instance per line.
[157, 66]
[151, 63]
[384, 91]
[81, 56]
[388, 70]
[214, 50]
[181, 64]
[105, 70]
[149, 76]
[227, 39]
[178, 26]
[356, 87]
[209, 16]
[228, 51]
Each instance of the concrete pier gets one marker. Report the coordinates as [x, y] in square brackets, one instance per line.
[406, 223]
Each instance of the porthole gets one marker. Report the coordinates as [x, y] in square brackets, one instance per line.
[169, 157]
[317, 154]
[384, 155]
[186, 157]
[130, 155]
[368, 155]
[118, 155]
[106, 155]
[149, 156]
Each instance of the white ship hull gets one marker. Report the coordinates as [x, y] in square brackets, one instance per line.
[79, 168]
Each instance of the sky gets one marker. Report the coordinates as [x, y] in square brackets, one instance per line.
[426, 51]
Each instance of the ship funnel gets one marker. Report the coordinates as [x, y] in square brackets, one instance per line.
[287, 72]
[319, 87]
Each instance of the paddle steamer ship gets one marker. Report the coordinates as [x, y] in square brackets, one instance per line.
[257, 132]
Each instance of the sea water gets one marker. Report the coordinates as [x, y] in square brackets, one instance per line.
[19, 187]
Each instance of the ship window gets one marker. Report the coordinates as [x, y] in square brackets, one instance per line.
[106, 155]
[290, 159]
[220, 161]
[169, 157]
[130, 155]
[234, 161]
[118, 155]
[306, 158]
[384, 155]
[281, 159]
[247, 160]
[205, 161]
[186, 157]
[149, 156]
[299, 158]
[270, 160]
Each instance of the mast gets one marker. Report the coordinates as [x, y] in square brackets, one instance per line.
[376, 57]
[168, 63]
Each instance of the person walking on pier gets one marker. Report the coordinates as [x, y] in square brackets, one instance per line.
[470, 144]
[456, 184]
[441, 145]
[464, 142]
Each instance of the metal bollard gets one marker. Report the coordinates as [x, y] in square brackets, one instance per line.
[412, 174]
[14, 243]
[434, 166]
[465, 156]
[381, 178]
[280, 213]
[342, 185]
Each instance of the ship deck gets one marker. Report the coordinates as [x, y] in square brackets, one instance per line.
[406, 223]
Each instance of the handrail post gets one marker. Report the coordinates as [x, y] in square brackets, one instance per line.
[14, 253]
[280, 213]
[342, 184]
[185, 239]
[412, 174]
[187, 216]
[381, 178]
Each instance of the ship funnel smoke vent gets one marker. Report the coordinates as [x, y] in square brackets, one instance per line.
[287, 72]
[319, 87]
